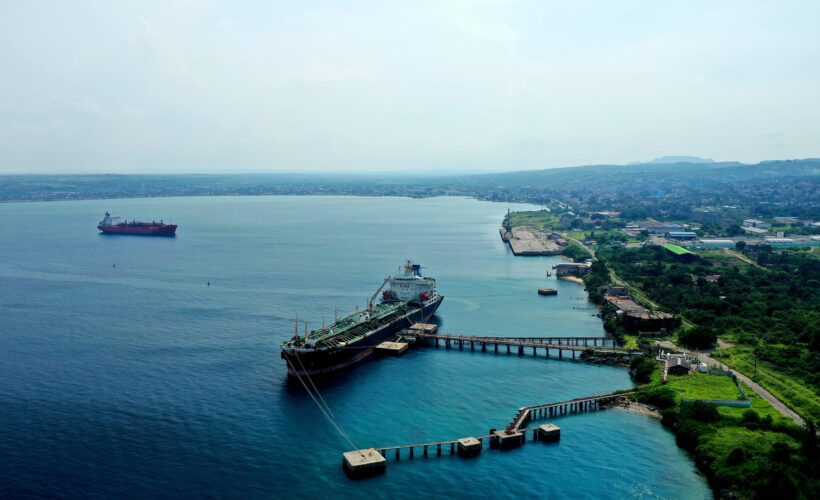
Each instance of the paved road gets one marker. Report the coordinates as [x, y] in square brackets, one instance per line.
[763, 393]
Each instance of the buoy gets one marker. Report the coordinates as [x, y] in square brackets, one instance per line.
[115, 265]
[209, 283]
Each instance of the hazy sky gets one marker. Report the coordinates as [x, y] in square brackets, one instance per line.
[187, 86]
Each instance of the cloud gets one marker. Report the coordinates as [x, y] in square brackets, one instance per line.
[215, 86]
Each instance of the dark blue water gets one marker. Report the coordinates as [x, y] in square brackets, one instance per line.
[122, 373]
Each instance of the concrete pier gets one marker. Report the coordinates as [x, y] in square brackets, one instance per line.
[574, 345]
[392, 348]
[468, 447]
[363, 463]
[507, 439]
[424, 328]
[549, 432]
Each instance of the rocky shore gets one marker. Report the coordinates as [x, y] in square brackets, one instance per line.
[609, 358]
[642, 408]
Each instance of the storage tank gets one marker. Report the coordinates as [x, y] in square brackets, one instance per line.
[703, 368]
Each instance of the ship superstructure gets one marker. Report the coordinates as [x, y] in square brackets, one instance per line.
[409, 298]
[114, 224]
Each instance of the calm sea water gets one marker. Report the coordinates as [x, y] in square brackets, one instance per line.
[124, 374]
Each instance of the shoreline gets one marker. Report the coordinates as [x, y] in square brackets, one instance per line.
[574, 279]
[641, 408]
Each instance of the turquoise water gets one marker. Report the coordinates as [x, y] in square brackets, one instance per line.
[123, 373]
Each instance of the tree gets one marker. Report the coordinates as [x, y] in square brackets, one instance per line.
[740, 245]
[699, 337]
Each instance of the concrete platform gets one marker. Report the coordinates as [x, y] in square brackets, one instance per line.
[424, 328]
[392, 348]
[547, 291]
[529, 240]
[549, 432]
[468, 447]
[362, 463]
[506, 440]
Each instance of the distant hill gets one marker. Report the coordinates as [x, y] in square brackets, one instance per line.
[674, 159]
[661, 174]
[784, 182]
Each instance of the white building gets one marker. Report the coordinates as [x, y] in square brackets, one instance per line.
[756, 223]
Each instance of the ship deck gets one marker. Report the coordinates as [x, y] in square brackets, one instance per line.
[353, 326]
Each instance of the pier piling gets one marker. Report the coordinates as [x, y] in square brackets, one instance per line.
[468, 447]
[362, 463]
[549, 432]
[373, 460]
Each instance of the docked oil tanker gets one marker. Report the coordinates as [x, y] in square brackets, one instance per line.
[114, 224]
[408, 299]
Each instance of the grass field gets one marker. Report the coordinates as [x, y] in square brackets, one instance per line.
[760, 405]
[744, 453]
[704, 386]
[723, 259]
[793, 392]
[541, 219]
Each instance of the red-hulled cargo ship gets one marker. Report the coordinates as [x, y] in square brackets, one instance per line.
[114, 224]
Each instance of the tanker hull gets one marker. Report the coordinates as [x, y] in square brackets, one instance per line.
[325, 360]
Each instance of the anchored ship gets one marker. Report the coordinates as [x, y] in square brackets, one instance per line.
[114, 224]
[408, 299]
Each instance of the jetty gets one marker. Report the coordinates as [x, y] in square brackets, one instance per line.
[559, 344]
[374, 460]
[529, 240]
[371, 461]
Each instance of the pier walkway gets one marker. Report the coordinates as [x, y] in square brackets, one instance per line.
[514, 430]
[576, 405]
[560, 344]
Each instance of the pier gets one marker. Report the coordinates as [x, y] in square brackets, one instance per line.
[374, 460]
[560, 344]
[576, 405]
[512, 436]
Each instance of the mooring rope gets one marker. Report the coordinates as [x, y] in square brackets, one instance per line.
[328, 417]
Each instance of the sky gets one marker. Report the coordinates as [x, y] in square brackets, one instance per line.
[183, 86]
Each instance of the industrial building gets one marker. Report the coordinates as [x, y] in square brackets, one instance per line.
[663, 227]
[756, 223]
[681, 235]
[680, 253]
[649, 321]
[571, 269]
[759, 231]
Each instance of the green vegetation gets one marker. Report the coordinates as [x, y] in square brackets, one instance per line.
[576, 252]
[783, 381]
[765, 411]
[743, 452]
[699, 337]
[642, 368]
[542, 219]
[775, 310]
[704, 386]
